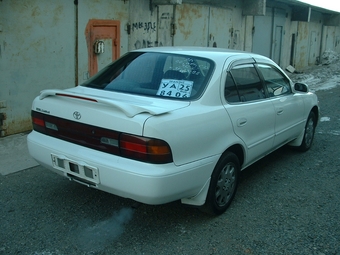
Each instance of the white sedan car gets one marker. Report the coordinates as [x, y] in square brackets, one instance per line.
[172, 123]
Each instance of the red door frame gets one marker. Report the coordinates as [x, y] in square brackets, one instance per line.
[101, 29]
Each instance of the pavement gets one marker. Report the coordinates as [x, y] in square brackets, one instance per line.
[14, 155]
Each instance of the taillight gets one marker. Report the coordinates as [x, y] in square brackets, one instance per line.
[40, 123]
[139, 148]
[145, 149]
[37, 121]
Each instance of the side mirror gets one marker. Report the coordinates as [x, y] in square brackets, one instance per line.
[302, 87]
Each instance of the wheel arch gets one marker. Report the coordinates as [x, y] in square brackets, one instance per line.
[200, 198]
[238, 150]
[316, 111]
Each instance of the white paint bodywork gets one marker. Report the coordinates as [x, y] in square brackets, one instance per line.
[198, 132]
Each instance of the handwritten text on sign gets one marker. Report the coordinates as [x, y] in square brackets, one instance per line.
[175, 88]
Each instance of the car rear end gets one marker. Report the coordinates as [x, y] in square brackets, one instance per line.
[94, 134]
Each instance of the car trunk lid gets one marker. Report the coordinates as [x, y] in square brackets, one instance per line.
[110, 110]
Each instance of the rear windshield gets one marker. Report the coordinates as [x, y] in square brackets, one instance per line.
[155, 74]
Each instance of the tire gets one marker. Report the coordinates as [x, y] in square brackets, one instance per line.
[308, 136]
[223, 184]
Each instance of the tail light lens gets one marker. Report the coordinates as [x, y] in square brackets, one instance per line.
[145, 149]
[139, 148]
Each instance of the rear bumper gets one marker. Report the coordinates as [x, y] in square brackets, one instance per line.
[142, 182]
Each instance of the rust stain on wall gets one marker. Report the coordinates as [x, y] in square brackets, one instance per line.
[303, 31]
[36, 11]
[57, 14]
[17, 125]
[187, 14]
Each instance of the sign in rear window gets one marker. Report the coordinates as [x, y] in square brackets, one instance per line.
[175, 88]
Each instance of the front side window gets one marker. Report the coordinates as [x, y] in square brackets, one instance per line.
[277, 84]
[243, 84]
[155, 74]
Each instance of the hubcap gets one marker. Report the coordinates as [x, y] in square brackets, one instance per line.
[225, 185]
[309, 132]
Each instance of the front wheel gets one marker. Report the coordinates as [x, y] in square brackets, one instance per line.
[223, 184]
[308, 136]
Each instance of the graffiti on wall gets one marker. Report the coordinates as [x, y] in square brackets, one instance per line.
[145, 30]
[165, 21]
[146, 26]
[147, 44]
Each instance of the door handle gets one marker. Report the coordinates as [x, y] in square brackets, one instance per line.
[241, 122]
[279, 111]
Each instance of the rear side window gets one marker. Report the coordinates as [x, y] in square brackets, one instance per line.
[243, 84]
[163, 75]
[277, 84]
[230, 91]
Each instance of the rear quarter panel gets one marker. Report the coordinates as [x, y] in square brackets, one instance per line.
[193, 133]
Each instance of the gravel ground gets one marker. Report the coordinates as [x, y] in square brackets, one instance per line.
[287, 203]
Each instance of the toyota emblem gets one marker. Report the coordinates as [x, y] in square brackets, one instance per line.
[77, 115]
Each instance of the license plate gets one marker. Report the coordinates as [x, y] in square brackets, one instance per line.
[76, 169]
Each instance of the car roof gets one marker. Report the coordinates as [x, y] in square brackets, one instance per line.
[207, 52]
[190, 50]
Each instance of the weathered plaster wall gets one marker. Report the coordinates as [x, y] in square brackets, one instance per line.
[143, 25]
[38, 50]
[36, 53]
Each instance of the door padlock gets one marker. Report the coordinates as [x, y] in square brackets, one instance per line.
[98, 46]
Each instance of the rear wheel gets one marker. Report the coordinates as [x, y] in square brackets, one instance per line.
[308, 136]
[223, 184]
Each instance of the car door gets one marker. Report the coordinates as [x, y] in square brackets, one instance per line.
[250, 111]
[289, 107]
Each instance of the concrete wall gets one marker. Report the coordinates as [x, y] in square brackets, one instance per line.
[36, 52]
[43, 45]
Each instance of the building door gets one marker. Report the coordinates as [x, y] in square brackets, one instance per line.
[330, 37]
[337, 44]
[262, 37]
[103, 43]
[219, 25]
[200, 25]
[191, 25]
[277, 44]
[313, 52]
[268, 33]
[165, 25]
